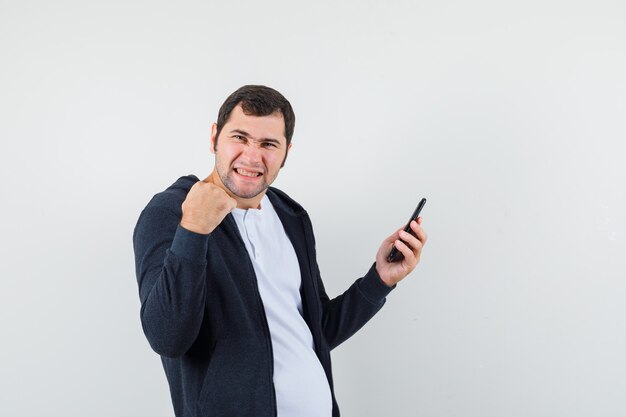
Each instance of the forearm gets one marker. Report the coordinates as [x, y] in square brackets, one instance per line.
[344, 315]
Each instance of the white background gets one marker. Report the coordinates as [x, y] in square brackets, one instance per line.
[508, 116]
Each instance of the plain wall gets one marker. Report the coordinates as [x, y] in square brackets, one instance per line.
[508, 116]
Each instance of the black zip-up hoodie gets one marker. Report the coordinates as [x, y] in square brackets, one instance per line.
[202, 312]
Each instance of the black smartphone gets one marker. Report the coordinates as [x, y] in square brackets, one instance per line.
[395, 255]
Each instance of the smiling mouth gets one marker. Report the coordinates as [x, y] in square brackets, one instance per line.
[248, 174]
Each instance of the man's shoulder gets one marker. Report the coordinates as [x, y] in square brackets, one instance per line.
[173, 196]
[281, 201]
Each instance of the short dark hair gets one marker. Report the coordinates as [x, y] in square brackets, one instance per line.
[257, 100]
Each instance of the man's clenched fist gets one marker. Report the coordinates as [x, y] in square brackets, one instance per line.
[205, 207]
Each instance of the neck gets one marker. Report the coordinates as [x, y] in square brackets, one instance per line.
[242, 203]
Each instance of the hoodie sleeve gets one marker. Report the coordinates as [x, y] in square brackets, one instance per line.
[170, 264]
[345, 314]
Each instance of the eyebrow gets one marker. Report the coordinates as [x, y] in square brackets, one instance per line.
[247, 135]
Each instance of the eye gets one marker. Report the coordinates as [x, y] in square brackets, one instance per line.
[269, 145]
[239, 137]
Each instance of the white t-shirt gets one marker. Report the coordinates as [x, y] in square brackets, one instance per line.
[302, 389]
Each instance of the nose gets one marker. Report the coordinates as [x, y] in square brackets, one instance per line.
[252, 154]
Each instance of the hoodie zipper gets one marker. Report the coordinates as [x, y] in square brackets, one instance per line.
[308, 244]
[266, 327]
[309, 247]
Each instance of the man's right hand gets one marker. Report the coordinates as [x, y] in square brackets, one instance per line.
[205, 207]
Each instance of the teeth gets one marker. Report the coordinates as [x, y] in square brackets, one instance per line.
[247, 173]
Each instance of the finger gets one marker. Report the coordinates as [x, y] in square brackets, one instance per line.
[419, 232]
[411, 241]
[409, 255]
[392, 237]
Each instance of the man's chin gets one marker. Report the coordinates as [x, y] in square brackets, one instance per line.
[244, 191]
[246, 194]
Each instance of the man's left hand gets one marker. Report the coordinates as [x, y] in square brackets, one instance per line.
[393, 272]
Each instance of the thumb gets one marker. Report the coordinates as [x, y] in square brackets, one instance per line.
[210, 179]
[392, 238]
[233, 203]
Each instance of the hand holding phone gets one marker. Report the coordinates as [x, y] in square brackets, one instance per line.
[395, 255]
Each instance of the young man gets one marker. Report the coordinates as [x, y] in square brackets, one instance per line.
[231, 294]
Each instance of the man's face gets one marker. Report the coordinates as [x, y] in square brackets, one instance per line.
[250, 152]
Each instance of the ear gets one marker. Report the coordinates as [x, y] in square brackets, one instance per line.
[213, 137]
[286, 153]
